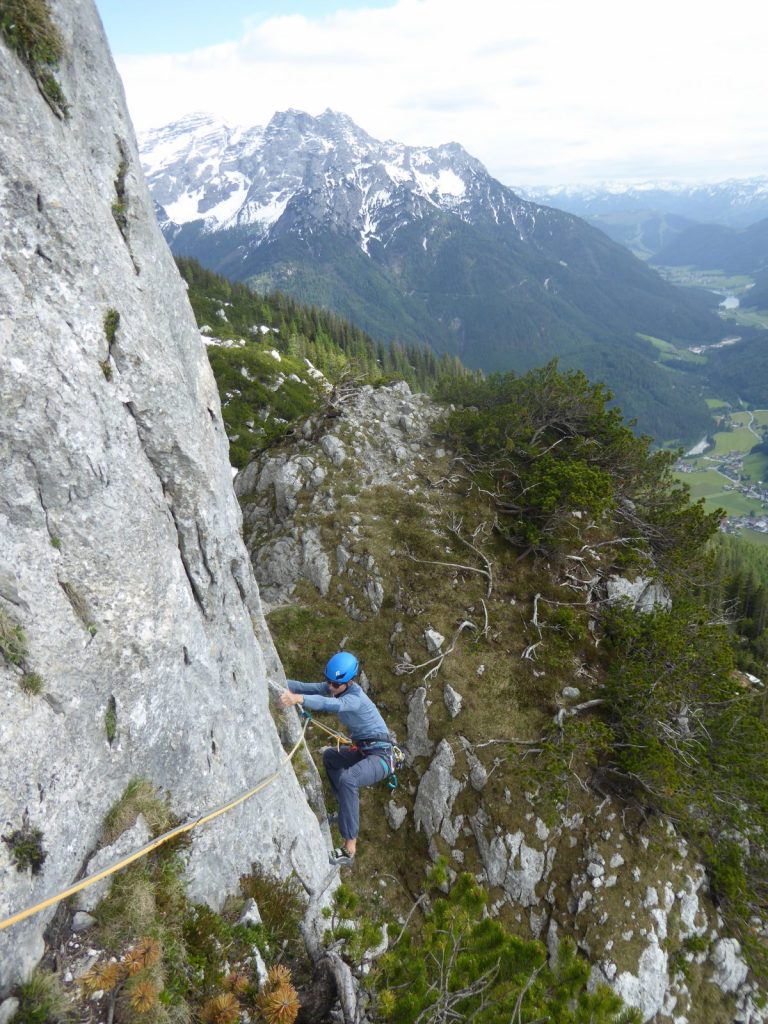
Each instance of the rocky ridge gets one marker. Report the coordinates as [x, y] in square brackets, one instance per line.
[142, 650]
[324, 523]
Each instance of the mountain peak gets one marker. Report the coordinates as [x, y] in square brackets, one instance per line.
[199, 169]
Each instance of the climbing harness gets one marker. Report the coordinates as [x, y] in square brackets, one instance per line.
[153, 844]
[389, 753]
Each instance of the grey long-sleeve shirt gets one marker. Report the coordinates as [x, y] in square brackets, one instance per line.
[355, 709]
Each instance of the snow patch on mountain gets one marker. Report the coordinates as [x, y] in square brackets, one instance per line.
[200, 169]
[445, 183]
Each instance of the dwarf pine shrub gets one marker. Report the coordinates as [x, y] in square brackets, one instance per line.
[463, 967]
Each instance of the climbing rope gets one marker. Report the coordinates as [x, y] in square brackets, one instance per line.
[84, 883]
[338, 736]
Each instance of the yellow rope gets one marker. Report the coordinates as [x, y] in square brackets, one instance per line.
[153, 845]
[338, 736]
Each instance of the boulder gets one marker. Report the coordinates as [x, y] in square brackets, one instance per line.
[419, 743]
[435, 796]
[452, 699]
[643, 594]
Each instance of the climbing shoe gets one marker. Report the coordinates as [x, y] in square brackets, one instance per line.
[341, 858]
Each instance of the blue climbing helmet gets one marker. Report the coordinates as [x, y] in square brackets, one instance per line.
[342, 668]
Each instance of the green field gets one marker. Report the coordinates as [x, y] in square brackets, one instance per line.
[703, 482]
[747, 318]
[707, 483]
[716, 280]
[710, 485]
[667, 351]
[734, 504]
[739, 440]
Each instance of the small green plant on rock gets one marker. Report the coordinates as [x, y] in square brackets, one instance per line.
[111, 323]
[42, 1000]
[29, 30]
[13, 642]
[140, 797]
[110, 720]
[26, 848]
[32, 684]
[120, 205]
[280, 903]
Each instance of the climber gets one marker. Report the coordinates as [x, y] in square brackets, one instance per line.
[367, 761]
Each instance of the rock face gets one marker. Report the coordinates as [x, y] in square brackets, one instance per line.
[643, 594]
[120, 550]
[378, 437]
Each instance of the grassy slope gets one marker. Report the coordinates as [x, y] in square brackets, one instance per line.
[506, 697]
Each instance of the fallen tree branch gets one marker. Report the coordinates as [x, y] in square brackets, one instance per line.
[511, 739]
[445, 565]
[564, 713]
[408, 668]
[455, 528]
[530, 652]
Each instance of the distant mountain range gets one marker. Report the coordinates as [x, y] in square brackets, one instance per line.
[649, 216]
[423, 245]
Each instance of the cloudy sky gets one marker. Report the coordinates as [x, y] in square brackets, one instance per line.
[542, 91]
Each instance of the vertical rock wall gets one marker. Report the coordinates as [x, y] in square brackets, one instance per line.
[120, 548]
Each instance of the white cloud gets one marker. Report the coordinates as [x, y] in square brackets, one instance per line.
[539, 90]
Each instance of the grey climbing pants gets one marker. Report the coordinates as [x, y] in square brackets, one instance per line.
[347, 771]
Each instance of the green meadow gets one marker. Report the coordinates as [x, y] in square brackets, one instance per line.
[669, 352]
[738, 440]
[707, 483]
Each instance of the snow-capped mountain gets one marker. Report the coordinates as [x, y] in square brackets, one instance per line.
[420, 244]
[324, 169]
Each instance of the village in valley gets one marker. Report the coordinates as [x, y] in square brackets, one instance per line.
[730, 470]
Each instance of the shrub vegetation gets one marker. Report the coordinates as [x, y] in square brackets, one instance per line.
[29, 30]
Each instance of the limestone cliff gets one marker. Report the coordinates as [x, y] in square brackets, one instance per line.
[120, 553]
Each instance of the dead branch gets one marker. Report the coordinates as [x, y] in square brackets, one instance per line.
[454, 527]
[378, 950]
[535, 619]
[332, 978]
[511, 739]
[565, 604]
[445, 565]
[411, 912]
[564, 713]
[408, 668]
[530, 652]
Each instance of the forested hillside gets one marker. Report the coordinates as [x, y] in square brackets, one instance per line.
[715, 247]
[273, 357]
